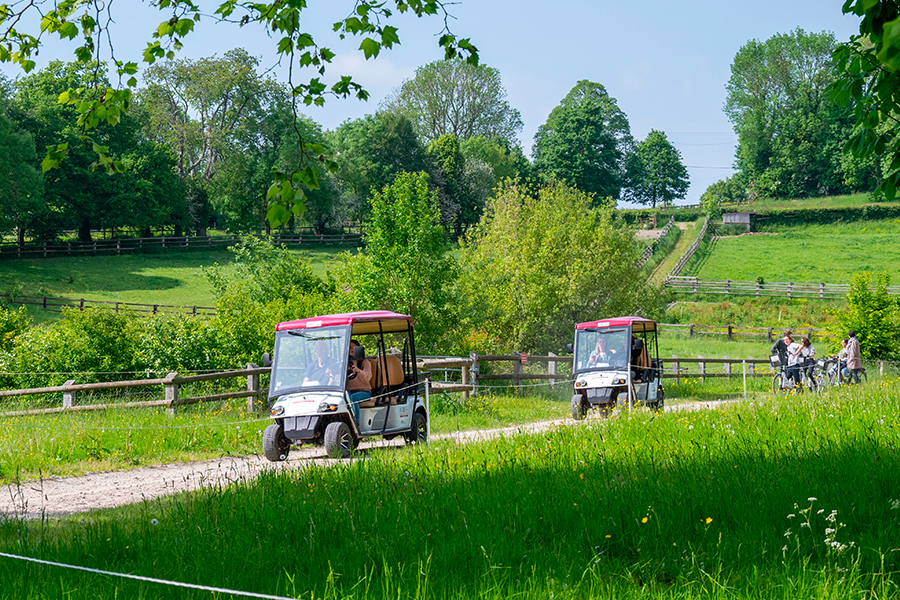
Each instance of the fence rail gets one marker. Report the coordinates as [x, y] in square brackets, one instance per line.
[171, 392]
[649, 250]
[45, 249]
[770, 333]
[788, 289]
[57, 304]
[676, 270]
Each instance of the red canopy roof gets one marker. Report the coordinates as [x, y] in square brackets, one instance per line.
[344, 319]
[636, 323]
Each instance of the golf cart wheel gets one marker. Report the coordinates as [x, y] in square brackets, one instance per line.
[660, 401]
[579, 408]
[339, 440]
[276, 446]
[605, 410]
[419, 432]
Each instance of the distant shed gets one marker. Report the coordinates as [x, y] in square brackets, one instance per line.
[737, 218]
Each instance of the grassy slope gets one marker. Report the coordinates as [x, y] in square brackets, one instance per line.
[817, 253]
[685, 240]
[174, 278]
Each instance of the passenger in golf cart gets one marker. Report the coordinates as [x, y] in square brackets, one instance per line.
[613, 364]
[314, 393]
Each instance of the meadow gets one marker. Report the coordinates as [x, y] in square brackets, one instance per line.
[173, 278]
[811, 253]
[789, 498]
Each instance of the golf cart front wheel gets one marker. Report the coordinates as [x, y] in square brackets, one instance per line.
[579, 408]
[339, 441]
[276, 446]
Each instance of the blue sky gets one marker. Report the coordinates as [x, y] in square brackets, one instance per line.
[665, 62]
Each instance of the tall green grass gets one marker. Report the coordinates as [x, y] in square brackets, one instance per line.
[790, 498]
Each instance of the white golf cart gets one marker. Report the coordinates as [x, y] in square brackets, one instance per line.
[616, 361]
[311, 369]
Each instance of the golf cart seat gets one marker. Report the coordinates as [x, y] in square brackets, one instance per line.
[370, 403]
[640, 361]
[388, 378]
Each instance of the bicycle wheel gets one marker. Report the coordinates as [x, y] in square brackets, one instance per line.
[776, 383]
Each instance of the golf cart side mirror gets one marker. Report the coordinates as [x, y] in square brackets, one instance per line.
[266, 360]
[569, 348]
[359, 353]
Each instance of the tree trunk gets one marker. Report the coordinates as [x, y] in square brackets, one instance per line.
[84, 231]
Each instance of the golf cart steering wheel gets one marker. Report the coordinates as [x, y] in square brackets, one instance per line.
[350, 373]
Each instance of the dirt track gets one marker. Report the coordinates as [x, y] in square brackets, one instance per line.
[61, 496]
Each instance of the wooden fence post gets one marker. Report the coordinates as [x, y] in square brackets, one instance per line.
[473, 372]
[691, 334]
[676, 368]
[751, 365]
[551, 369]
[728, 368]
[171, 393]
[252, 386]
[730, 330]
[701, 368]
[69, 396]
[770, 334]
[517, 371]
[881, 368]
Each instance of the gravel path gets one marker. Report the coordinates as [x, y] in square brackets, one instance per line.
[62, 496]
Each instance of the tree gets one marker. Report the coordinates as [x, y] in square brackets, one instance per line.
[458, 98]
[201, 108]
[664, 178]
[724, 191]
[788, 130]
[21, 185]
[371, 152]
[78, 193]
[577, 146]
[405, 266]
[541, 260]
[873, 314]
[96, 102]
[868, 82]
[507, 161]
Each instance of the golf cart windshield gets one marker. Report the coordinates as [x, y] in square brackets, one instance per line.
[601, 349]
[307, 359]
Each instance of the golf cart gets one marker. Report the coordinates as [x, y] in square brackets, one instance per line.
[312, 367]
[616, 361]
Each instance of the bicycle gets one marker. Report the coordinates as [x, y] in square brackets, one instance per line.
[831, 371]
[808, 379]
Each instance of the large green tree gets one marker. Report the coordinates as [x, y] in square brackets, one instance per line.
[458, 98]
[581, 150]
[21, 185]
[664, 178]
[541, 260]
[78, 192]
[789, 132]
[371, 152]
[89, 25]
[868, 83]
[586, 141]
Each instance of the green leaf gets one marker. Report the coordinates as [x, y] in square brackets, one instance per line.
[370, 48]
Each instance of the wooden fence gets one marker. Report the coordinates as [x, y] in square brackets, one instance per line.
[57, 304]
[45, 249]
[690, 251]
[649, 250]
[732, 331]
[694, 285]
[171, 392]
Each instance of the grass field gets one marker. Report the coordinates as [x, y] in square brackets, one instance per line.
[174, 278]
[784, 498]
[816, 253]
